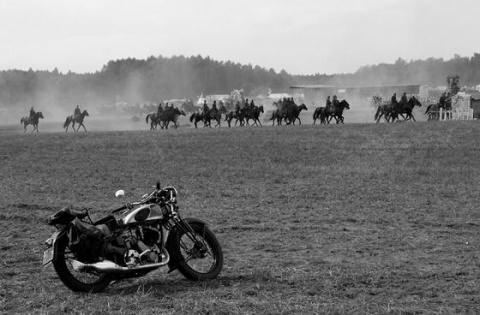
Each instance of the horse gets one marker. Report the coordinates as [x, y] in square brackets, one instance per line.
[408, 108]
[72, 120]
[320, 113]
[392, 111]
[286, 111]
[171, 115]
[31, 121]
[384, 111]
[336, 111]
[154, 120]
[237, 115]
[254, 114]
[216, 115]
[400, 108]
[297, 109]
[231, 116]
[389, 111]
[433, 111]
[275, 117]
[196, 117]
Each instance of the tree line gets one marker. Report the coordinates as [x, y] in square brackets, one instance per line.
[432, 72]
[135, 81]
[158, 78]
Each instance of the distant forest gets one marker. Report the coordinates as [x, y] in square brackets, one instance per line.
[137, 81]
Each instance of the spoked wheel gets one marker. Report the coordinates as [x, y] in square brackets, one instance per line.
[83, 281]
[199, 257]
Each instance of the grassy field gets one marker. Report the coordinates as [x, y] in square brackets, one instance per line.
[352, 219]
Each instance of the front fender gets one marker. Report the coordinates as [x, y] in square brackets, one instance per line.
[172, 243]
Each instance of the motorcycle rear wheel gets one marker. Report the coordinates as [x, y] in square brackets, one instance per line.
[196, 264]
[75, 280]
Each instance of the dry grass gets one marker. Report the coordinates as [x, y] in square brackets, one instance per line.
[353, 219]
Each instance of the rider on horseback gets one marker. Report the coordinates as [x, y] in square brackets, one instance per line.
[393, 100]
[205, 107]
[448, 101]
[441, 101]
[214, 107]
[328, 103]
[32, 113]
[244, 105]
[335, 101]
[76, 113]
[404, 99]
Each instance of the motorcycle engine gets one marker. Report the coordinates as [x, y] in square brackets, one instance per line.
[143, 247]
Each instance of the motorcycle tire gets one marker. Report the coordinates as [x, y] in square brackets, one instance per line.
[196, 265]
[74, 280]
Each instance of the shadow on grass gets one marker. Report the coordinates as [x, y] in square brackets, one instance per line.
[164, 287]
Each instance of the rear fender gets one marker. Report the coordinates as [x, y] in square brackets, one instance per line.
[171, 243]
[56, 242]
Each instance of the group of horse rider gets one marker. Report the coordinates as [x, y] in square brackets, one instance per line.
[403, 100]
[206, 109]
[331, 103]
[246, 106]
[160, 109]
[239, 106]
[76, 113]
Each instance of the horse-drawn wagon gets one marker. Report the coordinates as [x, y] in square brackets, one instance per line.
[459, 108]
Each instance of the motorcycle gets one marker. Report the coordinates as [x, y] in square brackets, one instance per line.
[88, 255]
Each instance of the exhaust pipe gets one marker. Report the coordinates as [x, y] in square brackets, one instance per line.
[108, 266]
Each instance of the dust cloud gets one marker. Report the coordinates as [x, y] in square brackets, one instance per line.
[128, 110]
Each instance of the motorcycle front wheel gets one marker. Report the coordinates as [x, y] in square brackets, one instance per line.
[201, 259]
[77, 281]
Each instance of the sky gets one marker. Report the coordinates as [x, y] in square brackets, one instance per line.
[300, 37]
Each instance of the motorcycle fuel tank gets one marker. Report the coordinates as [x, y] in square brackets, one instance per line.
[144, 213]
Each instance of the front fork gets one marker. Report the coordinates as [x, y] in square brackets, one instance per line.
[184, 226]
[187, 229]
